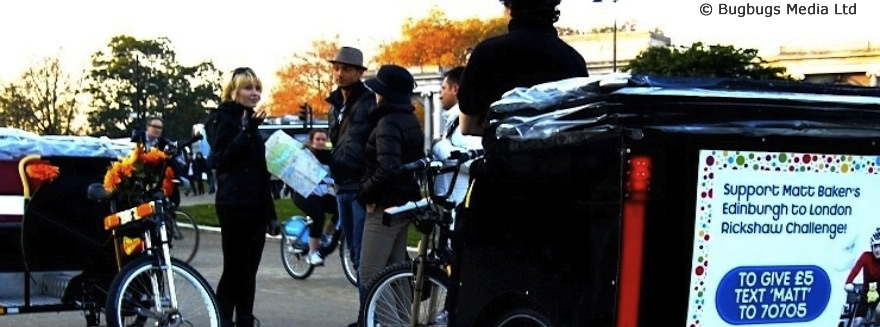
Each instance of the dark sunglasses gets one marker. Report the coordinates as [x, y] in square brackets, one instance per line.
[242, 70]
[156, 126]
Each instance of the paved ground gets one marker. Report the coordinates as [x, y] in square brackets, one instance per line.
[196, 199]
[324, 299]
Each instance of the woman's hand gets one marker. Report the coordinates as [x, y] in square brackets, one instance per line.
[257, 118]
[261, 112]
[371, 207]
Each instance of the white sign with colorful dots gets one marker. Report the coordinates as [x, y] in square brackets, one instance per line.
[777, 235]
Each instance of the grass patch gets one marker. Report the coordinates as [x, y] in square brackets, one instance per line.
[206, 215]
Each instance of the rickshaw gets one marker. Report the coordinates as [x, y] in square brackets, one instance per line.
[614, 194]
[67, 245]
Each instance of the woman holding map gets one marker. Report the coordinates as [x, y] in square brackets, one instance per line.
[321, 201]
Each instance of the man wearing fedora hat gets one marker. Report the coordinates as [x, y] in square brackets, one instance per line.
[349, 129]
[397, 139]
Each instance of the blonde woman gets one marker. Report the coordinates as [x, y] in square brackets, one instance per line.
[244, 201]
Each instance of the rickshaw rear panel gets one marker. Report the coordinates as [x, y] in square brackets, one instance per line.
[694, 135]
[59, 236]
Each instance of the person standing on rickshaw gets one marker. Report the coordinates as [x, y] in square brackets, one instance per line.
[530, 53]
[869, 265]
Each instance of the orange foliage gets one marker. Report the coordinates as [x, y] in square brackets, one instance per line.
[419, 112]
[306, 78]
[437, 40]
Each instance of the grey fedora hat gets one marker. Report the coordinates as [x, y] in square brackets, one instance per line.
[350, 56]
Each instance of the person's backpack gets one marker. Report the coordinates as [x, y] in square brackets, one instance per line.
[211, 124]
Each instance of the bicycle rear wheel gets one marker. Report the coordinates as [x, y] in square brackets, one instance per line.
[184, 236]
[390, 297]
[347, 263]
[133, 297]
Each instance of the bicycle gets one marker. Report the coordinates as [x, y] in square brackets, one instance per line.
[155, 289]
[390, 297]
[295, 247]
[184, 231]
[853, 301]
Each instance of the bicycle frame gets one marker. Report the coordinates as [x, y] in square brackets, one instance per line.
[426, 226]
[156, 221]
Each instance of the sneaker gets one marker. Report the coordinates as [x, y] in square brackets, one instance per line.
[314, 259]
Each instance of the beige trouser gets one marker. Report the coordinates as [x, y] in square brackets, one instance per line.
[381, 245]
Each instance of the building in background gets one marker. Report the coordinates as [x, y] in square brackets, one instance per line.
[854, 64]
[598, 49]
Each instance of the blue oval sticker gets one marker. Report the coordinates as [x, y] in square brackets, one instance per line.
[772, 294]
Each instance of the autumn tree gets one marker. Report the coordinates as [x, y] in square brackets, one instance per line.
[306, 79]
[43, 101]
[702, 60]
[133, 79]
[438, 40]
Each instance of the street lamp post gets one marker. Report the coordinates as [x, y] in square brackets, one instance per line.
[137, 85]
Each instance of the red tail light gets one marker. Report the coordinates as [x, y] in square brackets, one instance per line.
[638, 182]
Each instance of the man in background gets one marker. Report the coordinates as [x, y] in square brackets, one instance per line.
[349, 130]
[152, 135]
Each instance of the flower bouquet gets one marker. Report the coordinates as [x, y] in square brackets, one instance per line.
[140, 174]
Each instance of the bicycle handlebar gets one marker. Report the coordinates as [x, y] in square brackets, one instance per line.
[459, 156]
[467, 155]
[173, 149]
[420, 164]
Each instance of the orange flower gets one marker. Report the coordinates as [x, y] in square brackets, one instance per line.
[154, 157]
[42, 171]
[112, 179]
[168, 182]
[125, 169]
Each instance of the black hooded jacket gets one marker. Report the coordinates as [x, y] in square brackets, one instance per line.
[529, 54]
[397, 139]
[349, 135]
[242, 175]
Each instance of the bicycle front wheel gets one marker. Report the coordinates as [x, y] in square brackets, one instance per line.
[184, 236]
[294, 259]
[389, 300]
[140, 296]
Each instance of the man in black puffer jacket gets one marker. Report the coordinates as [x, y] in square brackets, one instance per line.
[397, 139]
[349, 129]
